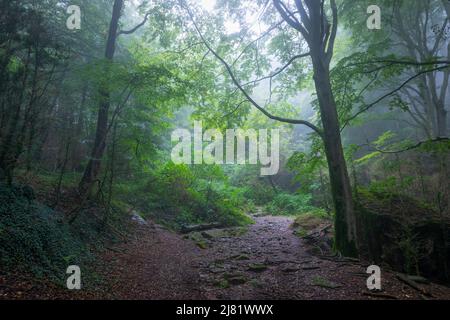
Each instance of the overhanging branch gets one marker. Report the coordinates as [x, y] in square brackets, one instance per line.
[417, 145]
[279, 70]
[135, 28]
[243, 91]
[367, 107]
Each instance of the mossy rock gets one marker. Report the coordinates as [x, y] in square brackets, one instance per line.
[256, 284]
[202, 244]
[324, 283]
[241, 257]
[257, 267]
[300, 232]
[235, 278]
[223, 284]
[308, 222]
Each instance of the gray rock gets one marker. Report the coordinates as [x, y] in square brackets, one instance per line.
[138, 219]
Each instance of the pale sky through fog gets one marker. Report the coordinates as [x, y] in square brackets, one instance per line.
[208, 4]
[231, 26]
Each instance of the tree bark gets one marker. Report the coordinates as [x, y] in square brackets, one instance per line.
[320, 35]
[94, 165]
[441, 121]
[345, 218]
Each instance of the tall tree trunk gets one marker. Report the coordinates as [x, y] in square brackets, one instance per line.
[93, 168]
[320, 34]
[345, 219]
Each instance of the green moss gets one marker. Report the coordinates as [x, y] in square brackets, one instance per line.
[257, 267]
[324, 283]
[202, 244]
[223, 284]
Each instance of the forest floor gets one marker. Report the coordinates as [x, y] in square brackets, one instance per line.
[267, 261]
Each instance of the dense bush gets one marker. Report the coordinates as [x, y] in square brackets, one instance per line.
[292, 204]
[260, 194]
[177, 195]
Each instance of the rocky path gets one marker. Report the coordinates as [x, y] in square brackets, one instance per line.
[266, 262]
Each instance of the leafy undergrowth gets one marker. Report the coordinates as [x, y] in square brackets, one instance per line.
[180, 195]
[286, 204]
[397, 205]
[40, 241]
[40, 237]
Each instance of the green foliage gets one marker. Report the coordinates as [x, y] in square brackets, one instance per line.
[311, 173]
[177, 195]
[256, 190]
[368, 157]
[258, 195]
[386, 188]
[35, 238]
[291, 204]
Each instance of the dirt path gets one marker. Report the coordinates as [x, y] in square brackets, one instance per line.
[267, 262]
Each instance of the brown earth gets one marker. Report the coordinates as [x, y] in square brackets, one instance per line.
[267, 261]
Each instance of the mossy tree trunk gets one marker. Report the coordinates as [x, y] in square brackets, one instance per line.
[320, 35]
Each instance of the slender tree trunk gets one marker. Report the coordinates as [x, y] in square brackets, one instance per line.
[111, 176]
[441, 114]
[272, 184]
[93, 167]
[77, 149]
[62, 172]
[7, 161]
[325, 192]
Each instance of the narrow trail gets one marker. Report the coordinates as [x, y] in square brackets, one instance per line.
[266, 262]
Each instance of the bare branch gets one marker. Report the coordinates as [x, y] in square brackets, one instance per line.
[279, 70]
[401, 62]
[332, 38]
[303, 14]
[135, 28]
[235, 109]
[367, 107]
[264, 34]
[419, 144]
[289, 17]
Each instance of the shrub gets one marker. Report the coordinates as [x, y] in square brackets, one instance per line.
[177, 195]
[290, 204]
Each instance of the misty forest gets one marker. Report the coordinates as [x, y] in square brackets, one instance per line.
[224, 149]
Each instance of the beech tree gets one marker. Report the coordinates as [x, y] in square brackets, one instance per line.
[317, 23]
